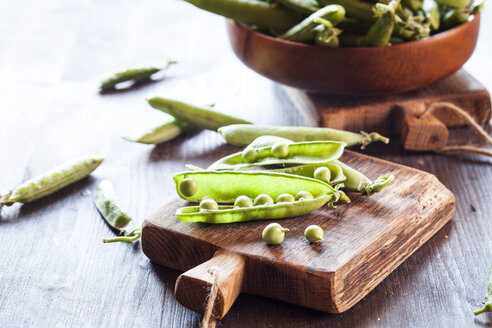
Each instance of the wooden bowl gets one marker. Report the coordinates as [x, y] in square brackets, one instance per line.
[356, 71]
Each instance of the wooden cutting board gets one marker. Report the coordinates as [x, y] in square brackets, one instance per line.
[396, 114]
[364, 242]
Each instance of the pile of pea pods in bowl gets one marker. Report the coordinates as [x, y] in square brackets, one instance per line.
[346, 23]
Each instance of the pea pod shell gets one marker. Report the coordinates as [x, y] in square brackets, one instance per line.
[302, 6]
[362, 10]
[230, 214]
[431, 10]
[357, 181]
[299, 153]
[307, 170]
[201, 117]
[459, 4]
[225, 186]
[161, 133]
[244, 134]
[107, 204]
[53, 180]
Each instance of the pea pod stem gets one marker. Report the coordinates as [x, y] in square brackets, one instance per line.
[51, 181]
[127, 238]
[201, 117]
[243, 134]
[488, 298]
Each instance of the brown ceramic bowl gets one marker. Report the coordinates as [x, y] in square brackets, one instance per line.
[356, 71]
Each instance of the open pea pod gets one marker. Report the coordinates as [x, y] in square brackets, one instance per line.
[229, 214]
[225, 186]
[356, 181]
[282, 154]
[307, 170]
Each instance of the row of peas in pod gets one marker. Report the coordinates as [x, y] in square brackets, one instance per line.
[346, 23]
[302, 177]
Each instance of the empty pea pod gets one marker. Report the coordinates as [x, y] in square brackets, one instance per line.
[51, 181]
[107, 204]
[162, 133]
[201, 117]
[293, 153]
[230, 214]
[225, 186]
[356, 181]
[307, 170]
[244, 134]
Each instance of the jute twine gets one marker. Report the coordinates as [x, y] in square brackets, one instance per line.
[208, 320]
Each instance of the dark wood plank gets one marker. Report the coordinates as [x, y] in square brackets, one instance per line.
[54, 270]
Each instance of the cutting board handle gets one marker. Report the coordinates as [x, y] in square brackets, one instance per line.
[193, 287]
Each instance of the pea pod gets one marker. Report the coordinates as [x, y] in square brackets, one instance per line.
[303, 6]
[263, 141]
[431, 10]
[326, 34]
[252, 12]
[413, 4]
[459, 4]
[243, 134]
[137, 75]
[305, 31]
[162, 133]
[296, 153]
[455, 17]
[380, 32]
[356, 181]
[307, 170]
[107, 204]
[361, 10]
[225, 186]
[229, 214]
[201, 117]
[51, 181]
[351, 40]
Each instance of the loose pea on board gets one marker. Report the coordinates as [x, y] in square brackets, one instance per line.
[314, 234]
[51, 181]
[274, 234]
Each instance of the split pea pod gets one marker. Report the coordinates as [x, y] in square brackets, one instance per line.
[431, 10]
[252, 12]
[303, 6]
[244, 134]
[51, 181]
[305, 31]
[282, 154]
[356, 181]
[225, 186]
[229, 214]
[201, 117]
[108, 205]
[380, 32]
[307, 170]
[137, 75]
[162, 133]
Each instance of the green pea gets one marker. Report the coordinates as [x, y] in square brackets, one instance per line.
[188, 187]
[280, 150]
[274, 234]
[285, 198]
[314, 234]
[243, 201]
[263, 199]
[304, 195]
[249, 155]
[208, 204]
[322, 173]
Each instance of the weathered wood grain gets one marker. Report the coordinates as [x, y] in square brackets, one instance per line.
[54, 269]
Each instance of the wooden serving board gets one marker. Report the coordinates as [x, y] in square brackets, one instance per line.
[364, 242]
[389, 115]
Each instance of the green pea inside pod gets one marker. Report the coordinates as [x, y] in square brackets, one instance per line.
[304, 195]
[308, 170]
[188, 187]
[322, 173]
[208, 204]
[249, 155]
[280, 150]
[243, 201]
[263, 199]
[286, 198]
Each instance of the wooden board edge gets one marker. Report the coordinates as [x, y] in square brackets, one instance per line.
[372, 257]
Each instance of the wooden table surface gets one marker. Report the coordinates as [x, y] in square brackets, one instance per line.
[54, 269]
